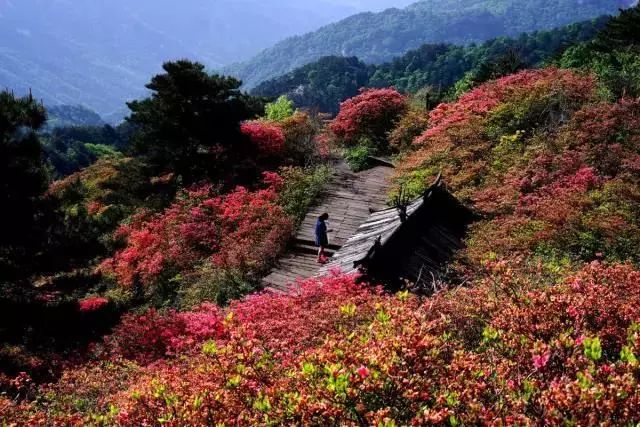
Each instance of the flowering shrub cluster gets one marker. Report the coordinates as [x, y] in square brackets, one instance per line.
[109, 187]
[553, 87]
[241, 229]
[268, 137]
[151, 336]
[91, 304]
[291, 139]
[503, 351]
[551, 167]
[411, 125]
[370, 115]
[302, 143]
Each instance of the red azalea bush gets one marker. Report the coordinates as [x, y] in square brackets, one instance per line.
[552, 170]
[549, 84]
[577, 197]
[506, 350]
[153, 335]
[268, 137]
[461, 135]
[91, 304]
[240, 230]
[372, 114]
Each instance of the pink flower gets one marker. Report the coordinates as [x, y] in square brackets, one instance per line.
[94, 208]
[273, 180]
[580, 340]
[91, 304]
[363, 371]
[572, 311]
[540, 360]
[268, 137]
[606, 369]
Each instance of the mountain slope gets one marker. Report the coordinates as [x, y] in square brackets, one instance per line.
[101, 53]
[72, 115]
[325, 83]
[377, 37]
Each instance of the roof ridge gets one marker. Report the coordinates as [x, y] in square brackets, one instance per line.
[428, 193]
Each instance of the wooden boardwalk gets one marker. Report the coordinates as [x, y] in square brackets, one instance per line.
[349, 199]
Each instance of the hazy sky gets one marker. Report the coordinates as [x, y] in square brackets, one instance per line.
[372, 5]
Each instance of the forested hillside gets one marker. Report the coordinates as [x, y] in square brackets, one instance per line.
[324, 84]
[72, 115]
[379, 37]
[131, 290]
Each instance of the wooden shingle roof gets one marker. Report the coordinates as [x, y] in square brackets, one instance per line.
[394, 245]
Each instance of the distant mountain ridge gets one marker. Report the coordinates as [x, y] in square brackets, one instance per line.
[379, 37]
[324, 84]
[101, 53]
[72, 115]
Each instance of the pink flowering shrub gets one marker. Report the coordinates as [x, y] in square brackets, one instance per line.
[92, 304]
[153, 335]
[371, 114]
[503, 350]
[239, 230]
[268, 137]
[552, 170]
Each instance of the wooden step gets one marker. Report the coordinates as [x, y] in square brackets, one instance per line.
[305, 242]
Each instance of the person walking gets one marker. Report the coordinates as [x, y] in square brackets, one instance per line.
[322, 240]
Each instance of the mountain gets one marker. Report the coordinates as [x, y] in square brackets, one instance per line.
[72, 115]
[101, 53]
[378, 37]
[325, 83]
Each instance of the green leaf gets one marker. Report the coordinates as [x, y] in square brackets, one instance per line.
[383, 317]
[627, 356]
[210, 348]
[593, 348]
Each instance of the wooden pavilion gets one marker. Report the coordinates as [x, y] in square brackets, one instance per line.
[411, 243]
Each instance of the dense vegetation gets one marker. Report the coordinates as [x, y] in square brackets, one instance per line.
[321, 85]
[535, 323]
[69, 149]
[375, 38]
[324, 84]
[190, 200]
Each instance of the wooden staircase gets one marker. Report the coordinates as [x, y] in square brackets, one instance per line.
[349, 198]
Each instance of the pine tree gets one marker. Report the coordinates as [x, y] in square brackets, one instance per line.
[621, 32]
[190, 126]
[23, 181]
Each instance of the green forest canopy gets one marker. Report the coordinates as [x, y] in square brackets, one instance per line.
[379, 37]
[330, 80]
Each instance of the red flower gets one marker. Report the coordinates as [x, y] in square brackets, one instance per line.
[541, 360]
[241, 229]
[92, 304]
[363, 371]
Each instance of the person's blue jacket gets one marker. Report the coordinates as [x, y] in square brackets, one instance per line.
[321, 233]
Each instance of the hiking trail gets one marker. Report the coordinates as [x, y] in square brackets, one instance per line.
[349, 198]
